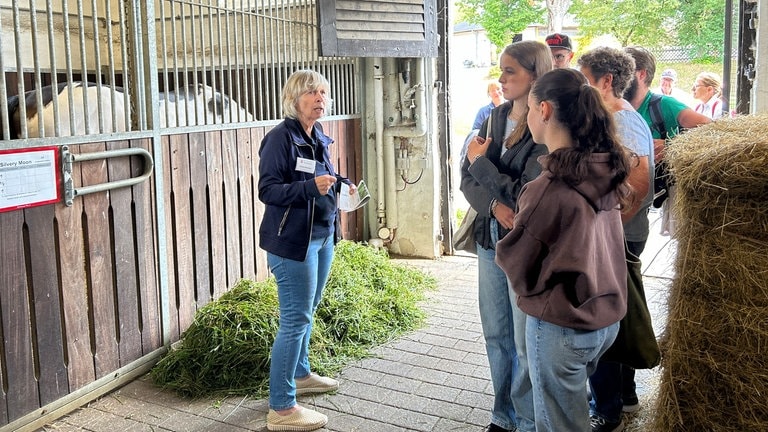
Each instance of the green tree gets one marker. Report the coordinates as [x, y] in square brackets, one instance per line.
[701, 27]
[501, 19]
[632, 22]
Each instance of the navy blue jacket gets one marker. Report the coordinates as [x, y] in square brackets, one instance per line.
[290, 194]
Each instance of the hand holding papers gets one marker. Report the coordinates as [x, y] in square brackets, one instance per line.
[352, 201]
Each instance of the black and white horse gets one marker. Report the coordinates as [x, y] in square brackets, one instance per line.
[70, 117]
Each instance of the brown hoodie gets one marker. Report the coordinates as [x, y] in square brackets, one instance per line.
[565, 255]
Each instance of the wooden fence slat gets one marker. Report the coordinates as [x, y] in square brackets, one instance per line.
[146, 252]
[348, 164]
[22, 394]
[262, 269]
[339, 162]
[214, 150]
[245, 182]
[174, 330]
[74, 294]
[121, 200]
[198, 183]
[231, 208]
[47, 309]
[107, 259]
[100, 271]
[182, 230]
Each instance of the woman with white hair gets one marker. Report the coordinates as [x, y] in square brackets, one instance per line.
[299, 187]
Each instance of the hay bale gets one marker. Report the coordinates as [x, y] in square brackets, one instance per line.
[714, 365]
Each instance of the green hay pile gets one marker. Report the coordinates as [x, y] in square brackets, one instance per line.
[368, 300]
[715, 347]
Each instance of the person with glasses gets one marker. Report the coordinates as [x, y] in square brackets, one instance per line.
[708, 91]
[562, 50]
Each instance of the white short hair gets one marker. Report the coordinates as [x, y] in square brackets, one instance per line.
[300, 82]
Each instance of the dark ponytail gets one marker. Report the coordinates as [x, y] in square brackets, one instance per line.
[580, 108]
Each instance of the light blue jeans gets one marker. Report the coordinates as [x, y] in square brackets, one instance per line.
[549, 388]
[300, 287]
[496, 318]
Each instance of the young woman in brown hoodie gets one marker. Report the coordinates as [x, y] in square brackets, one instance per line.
[565, 255]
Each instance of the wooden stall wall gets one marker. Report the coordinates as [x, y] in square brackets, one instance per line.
[77, 286]
[213, 211]
[346, 153]
[79, 290]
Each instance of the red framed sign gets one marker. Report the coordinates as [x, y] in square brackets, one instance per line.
[29, 177]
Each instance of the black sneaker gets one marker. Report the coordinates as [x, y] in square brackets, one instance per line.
[496, 428]
[600, 424]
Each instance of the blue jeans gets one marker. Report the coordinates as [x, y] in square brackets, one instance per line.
[299, 290]
[552, 372]
[606, 388]
[612, 382]
[496, 318]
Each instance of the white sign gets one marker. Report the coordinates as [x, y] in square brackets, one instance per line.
[28, 177]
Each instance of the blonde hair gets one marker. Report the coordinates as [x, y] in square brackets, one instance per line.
[536, 58]
[711, 79]
[492, 86]
[300, 82]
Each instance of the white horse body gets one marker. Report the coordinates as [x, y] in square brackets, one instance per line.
[194, 105]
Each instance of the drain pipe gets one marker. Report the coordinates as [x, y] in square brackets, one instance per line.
[378, 113]
[417, 129]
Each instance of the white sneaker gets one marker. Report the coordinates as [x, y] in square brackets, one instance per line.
[314, 383]
[302, 420]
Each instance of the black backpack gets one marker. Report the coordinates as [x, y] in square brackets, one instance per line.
[661, 178]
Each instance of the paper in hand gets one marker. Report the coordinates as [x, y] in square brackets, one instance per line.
[351, 202]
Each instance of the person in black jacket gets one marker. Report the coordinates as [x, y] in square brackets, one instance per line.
[500, 160]
[299, 186]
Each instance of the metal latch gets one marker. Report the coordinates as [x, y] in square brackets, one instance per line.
[68, 158]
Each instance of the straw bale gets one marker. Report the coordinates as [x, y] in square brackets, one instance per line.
[715, 364]
[721, 172]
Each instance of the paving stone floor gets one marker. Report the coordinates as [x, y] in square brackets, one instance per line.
[435, 379]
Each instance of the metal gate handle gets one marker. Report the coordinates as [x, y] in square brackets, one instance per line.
[68, 158]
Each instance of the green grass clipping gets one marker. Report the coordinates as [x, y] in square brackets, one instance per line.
[368, 300]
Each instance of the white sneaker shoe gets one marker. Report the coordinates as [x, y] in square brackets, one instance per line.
[302, 420]
[314, 383]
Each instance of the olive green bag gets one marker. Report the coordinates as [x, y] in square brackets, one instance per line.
[636, 344]
[464, 237]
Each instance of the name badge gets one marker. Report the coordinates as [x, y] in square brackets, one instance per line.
[305, 165]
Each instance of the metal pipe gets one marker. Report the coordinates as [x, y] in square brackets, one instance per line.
[418, 129]
[378, 115]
